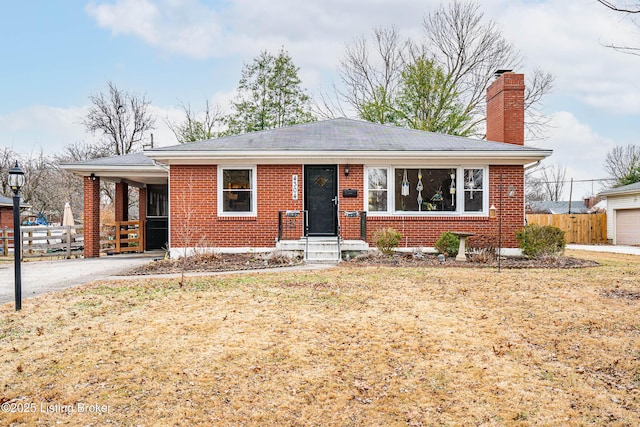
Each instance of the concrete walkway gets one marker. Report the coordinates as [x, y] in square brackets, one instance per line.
[631, 250]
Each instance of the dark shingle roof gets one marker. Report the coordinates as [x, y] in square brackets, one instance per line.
[340, 135]
[134, 159]
[5, 201]
[8, 201]
[560, 207]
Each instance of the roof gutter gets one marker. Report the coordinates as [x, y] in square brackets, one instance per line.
[532, 165]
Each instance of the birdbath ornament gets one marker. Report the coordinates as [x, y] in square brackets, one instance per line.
[462, 236]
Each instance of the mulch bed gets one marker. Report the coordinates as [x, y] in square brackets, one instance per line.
[238, 262]
[214, 262]
[428, 260]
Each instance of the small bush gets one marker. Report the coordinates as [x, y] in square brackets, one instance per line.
[447, 244]
[387, 239]
[482, 249]
[538, 241]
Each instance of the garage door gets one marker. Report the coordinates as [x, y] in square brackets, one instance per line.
[628, 227]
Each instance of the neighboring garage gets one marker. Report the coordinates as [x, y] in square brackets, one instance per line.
[627, 224]
[623, 214]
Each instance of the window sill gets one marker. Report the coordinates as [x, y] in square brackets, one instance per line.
[238, 217]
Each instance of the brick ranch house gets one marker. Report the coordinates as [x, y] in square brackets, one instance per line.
[335, 180]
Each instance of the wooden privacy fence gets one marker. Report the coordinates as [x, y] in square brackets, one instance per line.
[122, 236]
[585, 229]
[40, 241]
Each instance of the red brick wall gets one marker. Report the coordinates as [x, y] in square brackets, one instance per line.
[91, 217]
[6, 216]
[193, 203]
[505, 109]
[194, 220]
[122, 202]
[423, 231]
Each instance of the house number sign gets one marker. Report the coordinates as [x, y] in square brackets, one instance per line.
[294, 187]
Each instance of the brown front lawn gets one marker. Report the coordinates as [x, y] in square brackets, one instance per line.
[349, 346]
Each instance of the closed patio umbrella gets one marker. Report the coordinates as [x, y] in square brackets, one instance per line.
[67, 218]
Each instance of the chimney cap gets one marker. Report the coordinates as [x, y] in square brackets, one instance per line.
[501, 72]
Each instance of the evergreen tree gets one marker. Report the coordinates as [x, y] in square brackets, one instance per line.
[269, 96]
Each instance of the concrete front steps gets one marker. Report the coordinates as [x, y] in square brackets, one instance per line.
[322, 249]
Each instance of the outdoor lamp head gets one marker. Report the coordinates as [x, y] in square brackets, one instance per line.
[16, 178]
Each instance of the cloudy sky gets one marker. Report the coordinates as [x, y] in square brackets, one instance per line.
[56, 54]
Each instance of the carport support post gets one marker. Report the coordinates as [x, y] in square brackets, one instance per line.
[91, 216]
[122, 202]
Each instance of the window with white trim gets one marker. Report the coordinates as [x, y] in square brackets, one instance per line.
[427, 190]
[237, 191]
[377, 189]
[473, 190]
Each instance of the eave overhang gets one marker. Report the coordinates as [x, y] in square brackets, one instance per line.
[507, 157]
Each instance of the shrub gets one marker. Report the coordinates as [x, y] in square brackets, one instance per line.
[538, 241]
[387, 239]
[448, 244]
[482, 249]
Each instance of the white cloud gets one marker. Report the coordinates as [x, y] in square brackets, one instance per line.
[567, 39]
[576, 146]
[42, 128]
[184, 27]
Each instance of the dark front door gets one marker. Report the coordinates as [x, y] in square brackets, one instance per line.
[320, 195]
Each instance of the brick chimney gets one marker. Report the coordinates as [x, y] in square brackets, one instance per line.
[505, 108]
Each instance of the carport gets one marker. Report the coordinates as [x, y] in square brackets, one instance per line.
[131, 170]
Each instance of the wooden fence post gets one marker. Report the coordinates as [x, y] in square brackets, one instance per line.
[5, 241]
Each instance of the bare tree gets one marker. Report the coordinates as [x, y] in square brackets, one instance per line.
[121, 118]
[80, 151]
[471, 49]
[622, 164]
[534, 187]
[8, 159]
[371, 86]
[468, 47]
[43, 188]
[626, 9]
[629, 9]
[197, 126]
[552, 179]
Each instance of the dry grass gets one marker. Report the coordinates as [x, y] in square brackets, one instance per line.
[349, 346]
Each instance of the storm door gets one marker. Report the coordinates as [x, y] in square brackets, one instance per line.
[320, 199]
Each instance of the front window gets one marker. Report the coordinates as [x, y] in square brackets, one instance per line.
[237, 192]
[473, 190]
[423, 190]
[447, 190]
[377, 178]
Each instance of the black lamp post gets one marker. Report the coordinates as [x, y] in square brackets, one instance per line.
[16, 182]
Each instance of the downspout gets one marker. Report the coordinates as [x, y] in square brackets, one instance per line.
[532, 165]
